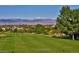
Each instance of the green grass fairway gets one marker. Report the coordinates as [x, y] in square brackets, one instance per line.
[35, 43]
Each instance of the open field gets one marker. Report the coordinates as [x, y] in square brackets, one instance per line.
[26, 42]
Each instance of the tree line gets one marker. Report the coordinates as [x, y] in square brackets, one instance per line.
[38, 29]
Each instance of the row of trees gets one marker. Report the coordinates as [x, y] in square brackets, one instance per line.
[68, 21]
[39, 29]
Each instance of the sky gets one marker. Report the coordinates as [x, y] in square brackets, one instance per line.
[31, 11]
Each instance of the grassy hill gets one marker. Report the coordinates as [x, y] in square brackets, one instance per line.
[26, 42]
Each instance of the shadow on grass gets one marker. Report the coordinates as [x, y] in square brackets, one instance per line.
[62, 37]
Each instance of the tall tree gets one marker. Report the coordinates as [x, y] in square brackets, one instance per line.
[39, 29]
[68, 21]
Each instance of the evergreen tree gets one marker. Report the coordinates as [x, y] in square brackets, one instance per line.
[68, 21]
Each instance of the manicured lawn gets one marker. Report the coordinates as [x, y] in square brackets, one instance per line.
[25, 42]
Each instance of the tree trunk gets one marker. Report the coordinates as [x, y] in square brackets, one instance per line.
[73, 36]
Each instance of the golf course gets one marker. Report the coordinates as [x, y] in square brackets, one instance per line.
[11, 42]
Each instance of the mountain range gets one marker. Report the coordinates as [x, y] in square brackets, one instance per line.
[27, 21]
